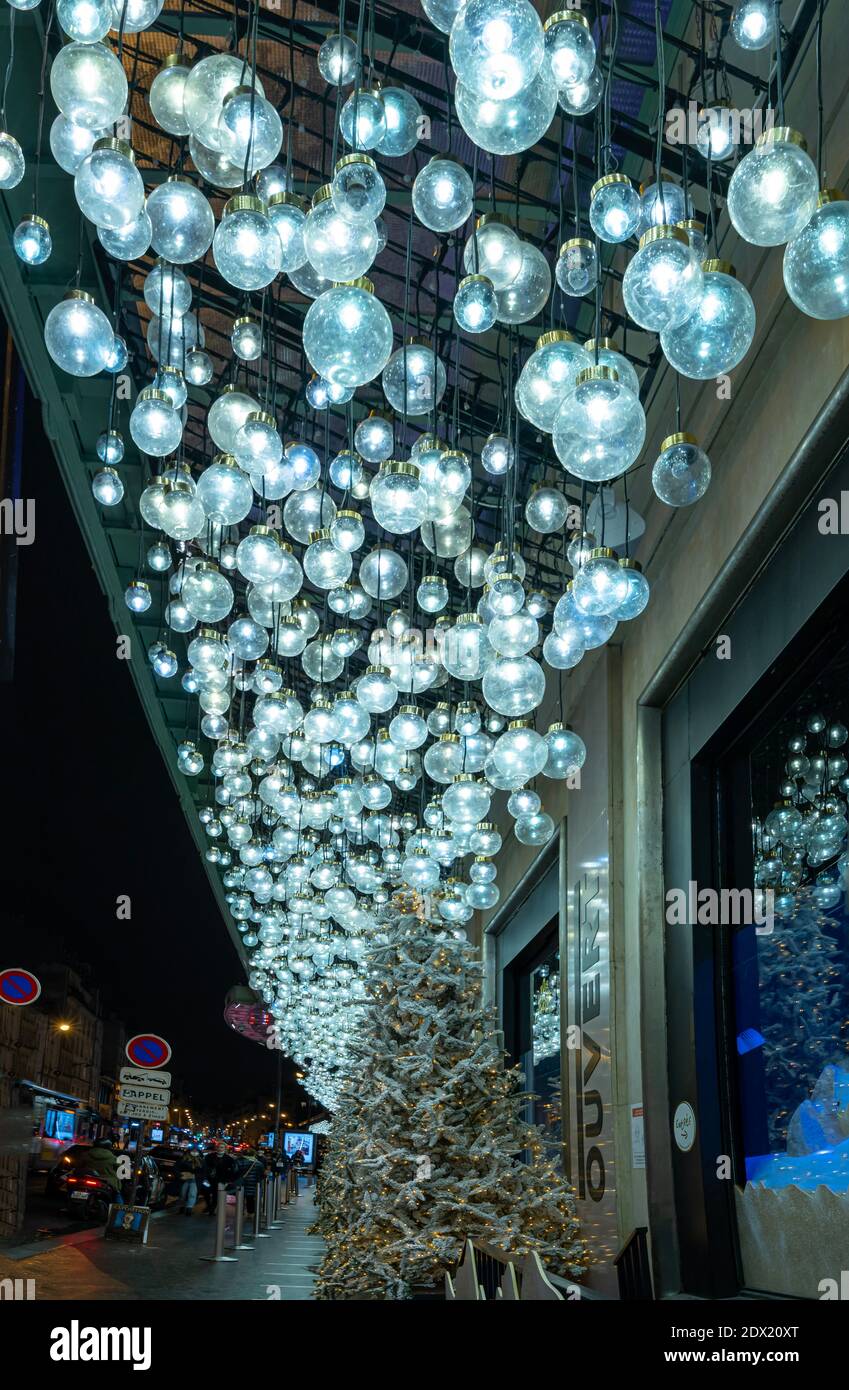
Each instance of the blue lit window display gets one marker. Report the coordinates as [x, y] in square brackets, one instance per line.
[532, 1032]
[791, 977]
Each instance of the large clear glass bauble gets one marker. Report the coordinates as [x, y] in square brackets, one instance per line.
[508, 127]
[108, 187]
[89, 85]
[525, 296]
[308, 281]
[135, 15]
[466, 800]
[663, 206]
[107, 487]
[442, 195]
[246, 248]
[599, 429]
[563, 650]
[130, 242]
[466, 651]
[346, 469]
[166, 97]
[383, 573]
[337, 60]
[567, 752]
[181, 515]
[304, 463]
[816, 263]
[337, 248]
[579, 98]
[774, 189]
[225, 491]
[362, 121]
[432, 594]
[155, 425]
[546, 510]
[12, 162]
[663, 280]
[415, 366]
[226, 415]
[321, 662]
[469, 567]
[513, 634]
[534, 830]
[207, 593]
[576, 271]
[197, 367]
[183, 222]
[600, 585]
[475, 304]
[374, 440]
[215, 166]
[308, 511]
[250, 123]
[445, 476]
[32, 241]
[681, 473]
[442, 13]
[403, 123]
[496, 46]
[398, 500]
[519, 754]
[347, 335]
[615, 209]
[169, 340]
[358, 191]
[513, 686]
[605, 354]
[208, 83]
[326, 566]
[569, 48]
[288, 214]
[70, 143]
[638, 592]
[84, 21]
[494, 250]
[448, 536]
[259, 556]
[78, 336]
[547, 375]
[259, 448]
[718, 333]
[753, 24]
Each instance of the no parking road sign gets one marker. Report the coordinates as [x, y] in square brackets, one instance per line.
[19, 986]
[148, 1050]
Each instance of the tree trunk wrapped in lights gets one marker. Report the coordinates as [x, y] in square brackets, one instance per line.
[428, 1140]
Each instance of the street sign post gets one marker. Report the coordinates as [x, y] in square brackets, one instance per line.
[19, 986]
[148, 1050]
[148, 1095]
[140, 1076]
[141, 1110]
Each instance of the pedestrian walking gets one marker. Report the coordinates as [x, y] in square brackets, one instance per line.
[188, 1174]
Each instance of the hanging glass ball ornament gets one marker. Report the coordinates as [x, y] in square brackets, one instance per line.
[604, 353]
[663, 205]
[166, 96]
[135, 15]
[358, 191]
[347, 531]
[259, 449]
[715, 132]
[469, 568]
[449, 536]
[475, 304]
[569, 47]
[246, 338]
[89, 85]
[110, 446]
[525, 296]
[167, 291]
[78, 335]
[260, 556]
[520, 753]
[348, 334]
[442, 13]
[579, 98]
[512, 125]
[338, 249]
[198, 368]
[600, 585]
[547, 375]
[404, 120]
[566, 752]
[374, 440]
[534, 830]
[181, 515]
[308, 511]
[346, 470]
[753, 25]
[287, 213]
[155, 425]
[324, 565]
[600, 428]
[563, 650]
[696, 237]
[225, 491]
[169, 340]
[415, 367]
[681, 473]
[773, 191]
[85, 21]
[246, 249]
[308, 281]
[208, 84]
[663, 281]
[70, 143]
[119, 355]
[337, 60]
[129, 242]
[466, 800]
[493, 250]
[304, 463]
[251, 129]
[12, 163]
[159, 557]
[816, 261]
[513, 634]
[718, 333]
[207, 593]
[546, 509]
[215, 166]
[445, 476]
[107, 487]
[615, 209]
[443, 196]
[182, 220]
[432, 594]
[496, 46]
[383, 573]
[362, 121]
[513, 686]
[498, 454]
[108, 186]
[137, 596]
[227, 414]
[398, 500]
[576, 271]
[32, 240]
[637, 596]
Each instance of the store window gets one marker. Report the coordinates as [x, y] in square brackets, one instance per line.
[532, 1030]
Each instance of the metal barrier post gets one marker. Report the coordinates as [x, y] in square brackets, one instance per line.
[271, 1219]
[259, 1215]
[220, 1222]
[239, 1242]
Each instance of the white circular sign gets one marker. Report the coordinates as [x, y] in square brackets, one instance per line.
[684, 1126]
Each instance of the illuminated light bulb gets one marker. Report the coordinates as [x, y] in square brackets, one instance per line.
[246, 338]
[118, 356]
[78, 335]
[304, 463]
[89, 85]
[383, 573]
[526, 295]
[348, 334]
[404, 120]
[338, 249]
[32, 240]
[358, 191]
[546, 509]
[682, 471]
[816, 261]
[512, 125]
[563, 650]
[225, 491]
[227, 414]
[445, 476]
[513, 686]
[664, 205]
[718, 333]
[636, 599]
[773, 190]
[362, 121]
[107, 185]
[85, 21]
[398, 500]
[155, 425]
[715, 134]
[753, 25]
[251, 130]
[107, 487]
[600, 585]
[198, 368]
[475, 304]
[520, 753]
[70, 143]
[374, 440]
[579, 98]
[171, 381]
[246, 248]
[259, 449]
[324, 564]
[498, 454]
[432, 594]
[337, 60]
[663, 280]
[576, 271]
[207, 593]
[137, 596]
[415, 367]
[443, 197]
[604, 353]
[496, 46]
[135, 15]
[182, 221]
[513, 634]
[166, 95]
[346, 470]
[566, 752]
[547, 375]
[615, 209]
[129, 242]
[207, 86]
[493, 250]
[569, 47]
[534, 830]
[600, 428]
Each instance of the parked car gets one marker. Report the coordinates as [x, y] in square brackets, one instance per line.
[168, 1160]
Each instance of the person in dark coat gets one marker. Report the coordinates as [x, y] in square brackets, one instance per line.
[251, 1170]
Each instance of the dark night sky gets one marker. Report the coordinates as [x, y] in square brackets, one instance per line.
[90, 813]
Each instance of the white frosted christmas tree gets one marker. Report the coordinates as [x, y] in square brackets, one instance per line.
[428, 1144]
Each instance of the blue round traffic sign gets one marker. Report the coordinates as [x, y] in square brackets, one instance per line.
[19, 986]
[148, 1050]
